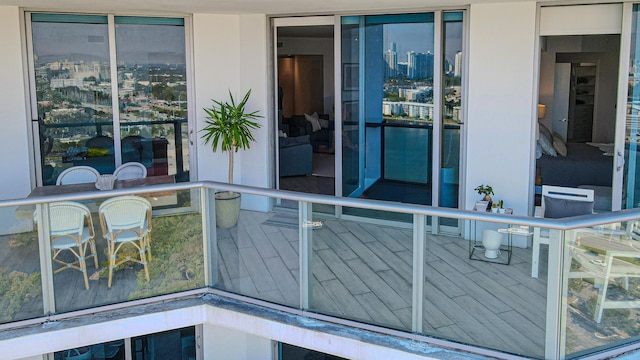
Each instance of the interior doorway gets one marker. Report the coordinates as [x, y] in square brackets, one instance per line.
[577, 117]
[305, 86]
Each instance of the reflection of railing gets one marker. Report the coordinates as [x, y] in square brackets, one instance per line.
[406, 149]
[175, 123]
[203, 205]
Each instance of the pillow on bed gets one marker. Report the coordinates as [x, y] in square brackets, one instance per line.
[547, 146]
[559, 144]
[544, 130]
[558, 208]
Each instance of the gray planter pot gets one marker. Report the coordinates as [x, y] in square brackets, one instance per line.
[227, 209]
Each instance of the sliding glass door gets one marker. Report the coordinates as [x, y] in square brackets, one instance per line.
[102, 100]
[401, 107]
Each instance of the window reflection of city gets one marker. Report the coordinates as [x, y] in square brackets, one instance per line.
[408, 87]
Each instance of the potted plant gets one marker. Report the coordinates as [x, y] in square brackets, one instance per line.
[485, 190]
[229, 127]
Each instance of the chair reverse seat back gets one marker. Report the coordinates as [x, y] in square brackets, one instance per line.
[78, 175]
[68, 232]
[130, 170]
[126, 220]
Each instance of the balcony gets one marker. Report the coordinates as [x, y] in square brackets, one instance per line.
[395, 277]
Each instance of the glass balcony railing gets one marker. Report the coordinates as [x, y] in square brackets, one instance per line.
[488, 290]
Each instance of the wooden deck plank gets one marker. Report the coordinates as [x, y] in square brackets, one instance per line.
[435, 278]
[320, 297]
[284, 249]
[401, 285]
[337, 245]
[357, 230]
[320, 269]
[343, 272]
[380, 314]
[286, 283]
[244, 286]
[475, 330]
[404, 315]
[334, 225]
[347, 304]
[498, 327]
[364, 253]
[460, 264]
[402, 236]
[260, 240]
[257, 270]
[527, 328]
[231, 258]
[377, 232]
[392, 260]
[469, 285]
[377, 285]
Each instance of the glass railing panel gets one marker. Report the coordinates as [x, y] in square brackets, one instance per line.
[481, 291]
[20, 275]
[258, 255]
[173, 250]
[601, 287]
[362, 270]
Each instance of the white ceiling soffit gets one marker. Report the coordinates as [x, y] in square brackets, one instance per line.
[581, 20]
[269, 7]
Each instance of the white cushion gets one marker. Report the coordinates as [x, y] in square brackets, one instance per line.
[313, 119]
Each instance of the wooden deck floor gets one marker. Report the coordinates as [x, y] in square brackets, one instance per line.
[361, 271]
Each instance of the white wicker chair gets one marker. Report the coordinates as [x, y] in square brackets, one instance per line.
[130, 170]
[126, 220]
[68, 232]
[78, 175]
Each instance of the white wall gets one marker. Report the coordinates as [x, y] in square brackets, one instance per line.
[14, 137]
[315, 46]
[230, 53]
[501, 102]
[226, 344]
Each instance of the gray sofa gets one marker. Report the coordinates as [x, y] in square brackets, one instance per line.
[295, 155]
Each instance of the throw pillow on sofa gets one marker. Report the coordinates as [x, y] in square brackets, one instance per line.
[313, 119]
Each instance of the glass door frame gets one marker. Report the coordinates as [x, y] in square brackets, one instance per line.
[304, 21]
[33, 111]
[336, 21]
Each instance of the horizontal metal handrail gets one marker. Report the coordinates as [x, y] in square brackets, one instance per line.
[427, 210]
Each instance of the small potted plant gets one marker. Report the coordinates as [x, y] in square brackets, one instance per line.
[494, 208]
[229, 127]
[485, 190]
[501, 208]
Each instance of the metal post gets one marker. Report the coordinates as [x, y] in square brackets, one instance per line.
[46, 264]
[306, 252]
[209, 237]
[419, 235]
[556, 298]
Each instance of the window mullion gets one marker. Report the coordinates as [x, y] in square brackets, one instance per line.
[438, 63]
[115, 103]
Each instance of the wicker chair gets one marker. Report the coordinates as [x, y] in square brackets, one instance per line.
[68, 232]
[126, 220]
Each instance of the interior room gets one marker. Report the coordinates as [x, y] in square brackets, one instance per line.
[306, 155]
[576, 113]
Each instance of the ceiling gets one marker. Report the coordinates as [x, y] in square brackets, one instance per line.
[270, 7]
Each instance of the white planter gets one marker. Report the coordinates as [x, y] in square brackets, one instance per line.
[227, 209]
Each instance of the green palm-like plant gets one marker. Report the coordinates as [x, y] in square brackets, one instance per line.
[229, 126]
